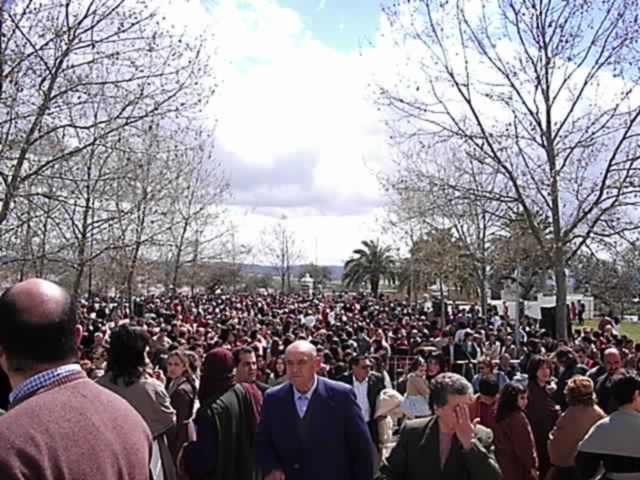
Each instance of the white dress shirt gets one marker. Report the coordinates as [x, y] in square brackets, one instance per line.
[361, 389]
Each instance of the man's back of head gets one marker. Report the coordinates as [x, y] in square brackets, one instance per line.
[73, 423]
[38, 327]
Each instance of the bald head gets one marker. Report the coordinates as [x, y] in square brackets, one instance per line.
[38, 301]
[302, 346]
[612, 361]
[302, 364]
[38, 326]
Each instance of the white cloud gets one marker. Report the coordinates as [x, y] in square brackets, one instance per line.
[327, 239]
[283, 92]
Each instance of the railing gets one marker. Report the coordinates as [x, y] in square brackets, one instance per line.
[399, 365]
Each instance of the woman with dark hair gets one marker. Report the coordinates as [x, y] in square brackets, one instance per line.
[416, 400]
[128, 376]
[226, 423]
[279, 372]
[513, 438]
[571, 428]
[569, 368]
[542, 412]
[436, 364]
[182, 392]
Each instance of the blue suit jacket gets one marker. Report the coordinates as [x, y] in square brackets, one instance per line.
[338, 446]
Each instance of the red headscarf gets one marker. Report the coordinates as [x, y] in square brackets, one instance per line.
[217, 378]
[217, 374]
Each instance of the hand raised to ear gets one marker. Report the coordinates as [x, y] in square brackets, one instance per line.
[464, 427]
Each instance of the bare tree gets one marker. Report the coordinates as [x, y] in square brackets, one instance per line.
[424, 188]
[279, 249]
[143, 204]
[543, 92]
[198, 233]
[59, 59]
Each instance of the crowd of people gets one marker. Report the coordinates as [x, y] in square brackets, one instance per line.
[340, 386]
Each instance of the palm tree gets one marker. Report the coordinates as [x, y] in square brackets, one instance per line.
[371, 264]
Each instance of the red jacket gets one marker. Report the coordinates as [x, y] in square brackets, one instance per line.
[515, 448]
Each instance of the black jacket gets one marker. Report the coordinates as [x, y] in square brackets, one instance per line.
[374, 387]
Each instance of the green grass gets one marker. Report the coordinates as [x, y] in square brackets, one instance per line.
[631, 329]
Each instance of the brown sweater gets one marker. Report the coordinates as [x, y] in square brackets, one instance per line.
[569, 431]
[75, 430]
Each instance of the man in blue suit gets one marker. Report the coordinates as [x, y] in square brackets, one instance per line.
[312, 428]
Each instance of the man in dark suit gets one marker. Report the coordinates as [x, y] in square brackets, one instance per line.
[367, 385]
[75, 428]
[312, 428]
[446, 446]
[466, 355]
[449, 351]
[613, 364]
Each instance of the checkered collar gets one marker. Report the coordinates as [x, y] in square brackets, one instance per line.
[42, 380]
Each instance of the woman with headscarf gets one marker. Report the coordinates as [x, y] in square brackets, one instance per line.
[225, 424]
[127, 375]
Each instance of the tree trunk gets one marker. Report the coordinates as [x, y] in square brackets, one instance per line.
[561, 296]
[483, 290]
[178, 256]
[77, 282]
[375, 286]
[43, 246]
[133, 265]
[443, 310]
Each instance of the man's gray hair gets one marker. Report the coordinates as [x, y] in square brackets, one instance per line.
[447, 384]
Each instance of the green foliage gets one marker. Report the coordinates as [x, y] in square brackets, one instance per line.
[321, 275]
[518, 254]
[612, 280]
[227, 275]
[254, 282]
[440, 256]
[371, 265]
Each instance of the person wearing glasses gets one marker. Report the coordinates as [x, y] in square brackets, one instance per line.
[367, 385]
[486, 369]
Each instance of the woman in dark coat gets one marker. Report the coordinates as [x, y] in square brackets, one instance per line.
[182, 392]
[226, 423]
[513, 438]
[542, 412]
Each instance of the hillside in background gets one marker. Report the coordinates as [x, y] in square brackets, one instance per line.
[336, 270]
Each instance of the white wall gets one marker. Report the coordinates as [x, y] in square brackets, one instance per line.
[532, 308]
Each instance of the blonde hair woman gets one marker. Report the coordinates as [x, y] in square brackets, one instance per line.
[182, 392]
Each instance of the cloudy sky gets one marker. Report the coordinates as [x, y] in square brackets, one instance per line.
[296, 128]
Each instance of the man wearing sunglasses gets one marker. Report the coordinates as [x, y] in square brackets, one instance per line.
[367, 385]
